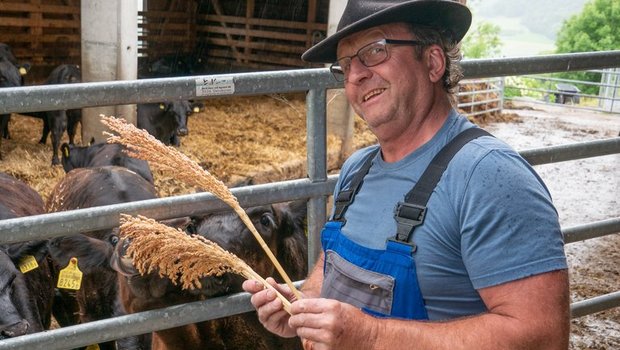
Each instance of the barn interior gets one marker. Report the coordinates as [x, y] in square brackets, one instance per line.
[177, 37]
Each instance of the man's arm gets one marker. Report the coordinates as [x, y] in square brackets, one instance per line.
[530, 313]
[314, 282]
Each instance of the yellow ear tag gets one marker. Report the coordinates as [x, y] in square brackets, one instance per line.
[22, 71]
[196, 109]
[162, 106]
[66, 151]
[28, 263]
[92, 347]
[70, 277]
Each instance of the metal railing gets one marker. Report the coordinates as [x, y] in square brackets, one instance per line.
[317, 187]
[485, 96]
[548, 90]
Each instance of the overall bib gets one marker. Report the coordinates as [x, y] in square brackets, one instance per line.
[383, 282]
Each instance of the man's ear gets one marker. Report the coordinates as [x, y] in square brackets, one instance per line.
[436, 60]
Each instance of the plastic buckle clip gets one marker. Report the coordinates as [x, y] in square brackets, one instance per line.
[407, 216]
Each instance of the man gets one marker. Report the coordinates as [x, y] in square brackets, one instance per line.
[475, 261]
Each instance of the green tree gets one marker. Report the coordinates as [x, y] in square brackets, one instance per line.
[482, 42]
[594, 29]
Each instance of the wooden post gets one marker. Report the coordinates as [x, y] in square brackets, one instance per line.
[36, 31]
[249, 14]
[109, 52]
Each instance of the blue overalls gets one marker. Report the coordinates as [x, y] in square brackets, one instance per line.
[383, 282]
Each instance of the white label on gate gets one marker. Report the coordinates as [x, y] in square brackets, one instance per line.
[214, 86]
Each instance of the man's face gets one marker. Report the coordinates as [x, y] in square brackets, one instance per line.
[389, 95]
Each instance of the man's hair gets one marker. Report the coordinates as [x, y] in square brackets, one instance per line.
[453, 74]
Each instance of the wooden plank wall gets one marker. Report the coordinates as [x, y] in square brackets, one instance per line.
[44, 33]
[238, 35]
[235, 35]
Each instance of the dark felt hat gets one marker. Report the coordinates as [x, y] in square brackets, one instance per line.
[363, 14]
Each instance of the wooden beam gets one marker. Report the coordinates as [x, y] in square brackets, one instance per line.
[228, 32]
[310, 19]
[220, 12]
[249, 14]
[265, 22]
[36, 29]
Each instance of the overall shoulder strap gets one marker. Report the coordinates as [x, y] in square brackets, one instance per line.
[410, 213]
[345, 197]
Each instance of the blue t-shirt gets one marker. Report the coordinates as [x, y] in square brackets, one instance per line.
[489, 221]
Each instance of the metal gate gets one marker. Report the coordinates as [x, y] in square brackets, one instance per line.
[316, 187]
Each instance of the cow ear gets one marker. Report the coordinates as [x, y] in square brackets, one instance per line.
[65, 150]
[293, 242]
[292, 217]
[38, 249]
[299, 211]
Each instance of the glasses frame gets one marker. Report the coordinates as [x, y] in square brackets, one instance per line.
[339, 74]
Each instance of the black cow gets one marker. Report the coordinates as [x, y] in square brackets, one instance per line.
[9, 77]
[56, 121]
[179, 64]
[96, 298]
[102, 154]
[26, 297]
[6, 54]
[165, 121]
[282, 228]
[59, 121]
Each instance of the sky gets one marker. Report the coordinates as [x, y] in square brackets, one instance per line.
[528, 27]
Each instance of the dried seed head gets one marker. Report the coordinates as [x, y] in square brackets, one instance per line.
[175, 254]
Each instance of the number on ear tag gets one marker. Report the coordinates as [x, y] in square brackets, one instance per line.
[70, 277]
[28, 263]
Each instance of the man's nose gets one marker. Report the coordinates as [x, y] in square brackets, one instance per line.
[358, 71]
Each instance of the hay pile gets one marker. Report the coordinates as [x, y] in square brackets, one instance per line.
[239, 140]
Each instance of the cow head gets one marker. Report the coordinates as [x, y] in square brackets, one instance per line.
[282, 227]
[6, 54]
[180, 110]
[20, 314]
[69, 74]
[92, 250]
[150, 291]
[9, 74]
[69, 156]
[73, 156]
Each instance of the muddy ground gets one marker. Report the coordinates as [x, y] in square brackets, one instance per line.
[584, 191]
[262, 138]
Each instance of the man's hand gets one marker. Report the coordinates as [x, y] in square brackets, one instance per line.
[330, 324]
[269, 308]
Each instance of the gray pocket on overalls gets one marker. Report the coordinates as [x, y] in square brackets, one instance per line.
[354, 285]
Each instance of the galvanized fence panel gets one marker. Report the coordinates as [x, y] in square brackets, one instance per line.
[549, 92]
[491, 93]
[317, 187]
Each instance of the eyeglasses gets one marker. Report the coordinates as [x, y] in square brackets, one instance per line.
[369, 55]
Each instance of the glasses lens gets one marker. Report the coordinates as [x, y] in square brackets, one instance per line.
[373, 54]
